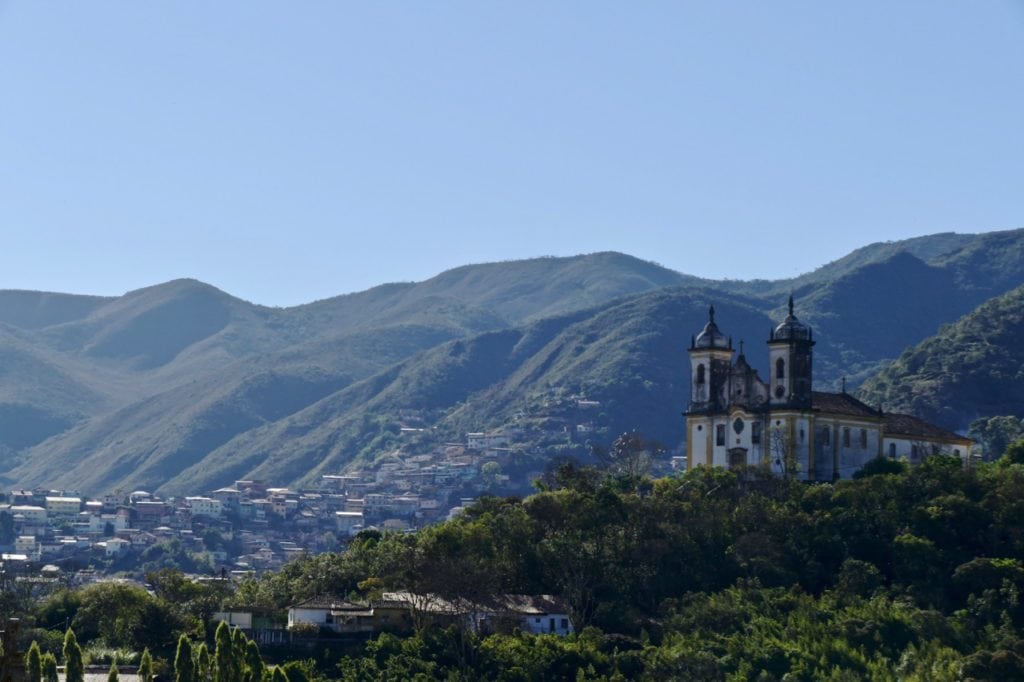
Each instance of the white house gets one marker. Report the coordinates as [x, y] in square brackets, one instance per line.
[205, 506]
[349, 522]
[482, 441]
[63, 506]
[30, 514]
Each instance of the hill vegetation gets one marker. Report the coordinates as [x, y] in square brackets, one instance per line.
[180, 386]
[972, 368]
[909, 574]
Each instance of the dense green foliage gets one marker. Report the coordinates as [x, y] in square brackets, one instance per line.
[900, 574]
[970, 369]
[74, 666]
[909, 574]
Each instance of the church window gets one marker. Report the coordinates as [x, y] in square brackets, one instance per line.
[801, 435]
[720, 434]
[700, 374]
[738, 425]
[846, 436]
[892, 450]
[780, 369]
[755, 432]
[863, 439]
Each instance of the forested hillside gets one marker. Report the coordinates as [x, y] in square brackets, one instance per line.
[181, 386]
[972, 368]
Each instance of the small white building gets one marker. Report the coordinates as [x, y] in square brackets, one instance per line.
[482, 441]
[31, 514]
[27, 545]
[348, 522]
[63, 506]
[115, 547]
[205, 506]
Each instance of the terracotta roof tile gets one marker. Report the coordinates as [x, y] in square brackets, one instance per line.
[841, 403]
[909, 426]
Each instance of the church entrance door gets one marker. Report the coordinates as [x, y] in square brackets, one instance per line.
[737, 457]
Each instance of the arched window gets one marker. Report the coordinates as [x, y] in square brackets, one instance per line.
[700, 374]
[780, 369]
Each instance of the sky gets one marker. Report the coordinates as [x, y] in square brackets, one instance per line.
[287, 152]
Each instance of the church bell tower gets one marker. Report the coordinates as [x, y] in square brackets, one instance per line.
[790, 362]
[710, 363]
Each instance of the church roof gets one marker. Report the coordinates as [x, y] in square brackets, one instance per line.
[909, 426]
[711, 336]
[841, 403]
[791, 329]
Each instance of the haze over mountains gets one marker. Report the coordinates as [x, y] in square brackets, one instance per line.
[181, 387]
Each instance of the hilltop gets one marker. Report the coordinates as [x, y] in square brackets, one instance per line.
[181, 386]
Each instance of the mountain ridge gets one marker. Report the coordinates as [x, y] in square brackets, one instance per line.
[181, 384]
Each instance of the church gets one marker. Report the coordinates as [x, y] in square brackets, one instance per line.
[735, 418]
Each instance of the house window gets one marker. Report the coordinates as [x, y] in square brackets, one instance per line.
[863, 439]
[846, 436]
[956, 452]
[780, 369]
[700, 374]
[755, 432]
[720, 434]
[826, 436]
[801, 435]
[892, 450]
[565, 623]
[913, 452]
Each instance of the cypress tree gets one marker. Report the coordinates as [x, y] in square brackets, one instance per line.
[278, 675]
[146, 666]
[238, 641]
[112, 675]
[203, 662]
[50, 668]
[74, 669]
[34, 663]
[253, 662]
[226, 670]
[184, 667]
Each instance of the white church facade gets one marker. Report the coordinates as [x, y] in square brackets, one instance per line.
[735, 418]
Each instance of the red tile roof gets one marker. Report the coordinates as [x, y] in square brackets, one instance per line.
[841, 403]
[909, 426]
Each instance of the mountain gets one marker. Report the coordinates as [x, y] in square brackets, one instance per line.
[181, 387]
[971, 368]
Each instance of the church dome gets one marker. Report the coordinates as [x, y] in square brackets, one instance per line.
[791, 329]
[711, 336]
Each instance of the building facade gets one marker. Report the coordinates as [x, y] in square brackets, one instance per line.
[736, 418]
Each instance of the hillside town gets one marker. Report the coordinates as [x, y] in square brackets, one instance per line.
[248, 527]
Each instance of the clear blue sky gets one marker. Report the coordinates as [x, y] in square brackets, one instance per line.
[286, 152]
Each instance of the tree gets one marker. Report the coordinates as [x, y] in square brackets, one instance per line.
[253, 663]
[202, 659]
[489, 473]
[995, 434]
[50, 668]
[34, 663]
[184, 667]
[630, 455]
[74, 668]
[279, 675]
[226, 669]
[146, 666]
[112, 675]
